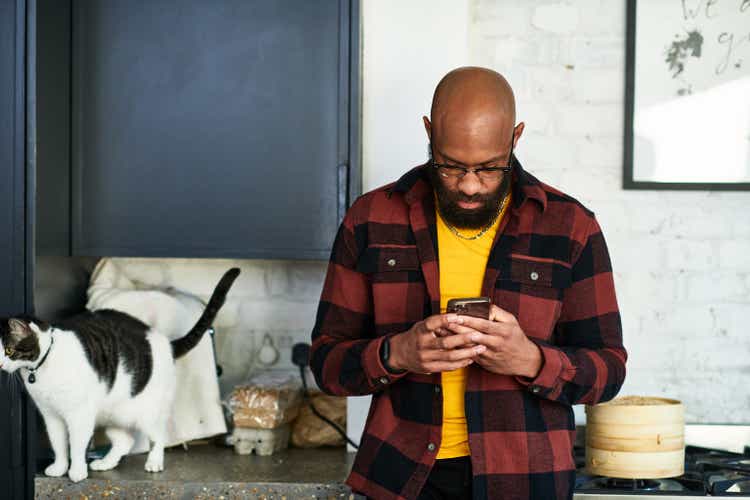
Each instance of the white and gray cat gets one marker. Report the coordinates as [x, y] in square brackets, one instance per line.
[101, 369]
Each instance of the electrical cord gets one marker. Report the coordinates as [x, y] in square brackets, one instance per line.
[300, 356]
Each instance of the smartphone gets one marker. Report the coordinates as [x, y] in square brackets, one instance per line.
[479, 307]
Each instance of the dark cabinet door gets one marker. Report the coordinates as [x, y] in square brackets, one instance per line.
[210, 128]
[16, 473]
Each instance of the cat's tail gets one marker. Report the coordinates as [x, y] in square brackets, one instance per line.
[182, 346]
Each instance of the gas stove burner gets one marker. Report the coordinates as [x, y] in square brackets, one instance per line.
[585, 483]
[616, 483]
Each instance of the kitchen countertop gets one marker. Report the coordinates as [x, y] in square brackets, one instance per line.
[208, 471]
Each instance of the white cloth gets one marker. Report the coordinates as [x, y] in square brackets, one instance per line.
[197, 411]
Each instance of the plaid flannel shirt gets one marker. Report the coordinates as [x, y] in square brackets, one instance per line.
[549, 266]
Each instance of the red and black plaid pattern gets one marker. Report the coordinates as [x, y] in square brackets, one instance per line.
[549, 266]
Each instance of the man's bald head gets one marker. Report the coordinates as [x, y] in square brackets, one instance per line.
[472, 98]
[473, 125]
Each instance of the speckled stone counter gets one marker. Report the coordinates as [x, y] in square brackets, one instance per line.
[210, 472]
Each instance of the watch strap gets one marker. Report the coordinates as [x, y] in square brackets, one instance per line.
[385, 354]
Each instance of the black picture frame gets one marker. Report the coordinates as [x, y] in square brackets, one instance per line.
[629, 182]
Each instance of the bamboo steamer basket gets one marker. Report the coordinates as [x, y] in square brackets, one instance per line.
[636, 437]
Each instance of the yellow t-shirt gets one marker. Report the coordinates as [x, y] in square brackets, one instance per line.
[462, 266]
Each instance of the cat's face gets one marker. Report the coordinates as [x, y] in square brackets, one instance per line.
[19, 344]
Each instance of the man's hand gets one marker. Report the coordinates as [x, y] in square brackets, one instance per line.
[509, 350]
[420, 350]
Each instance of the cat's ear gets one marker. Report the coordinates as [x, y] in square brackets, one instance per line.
[19, 329]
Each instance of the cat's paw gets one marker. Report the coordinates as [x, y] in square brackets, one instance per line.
[103, 464]
[154, 465]
[77, 474]
[57, 469]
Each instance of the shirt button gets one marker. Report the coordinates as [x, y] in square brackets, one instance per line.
[431, 446]
[383, 380]
[391, 262]
[534, 275]
[535, 389]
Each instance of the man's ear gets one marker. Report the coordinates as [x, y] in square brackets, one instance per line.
[427, 127]
[519, 131]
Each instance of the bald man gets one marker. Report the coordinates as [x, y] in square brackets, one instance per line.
[464, 406]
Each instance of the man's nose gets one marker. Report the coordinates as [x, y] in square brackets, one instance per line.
[470, 184]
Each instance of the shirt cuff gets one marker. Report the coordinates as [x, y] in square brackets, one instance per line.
[377, 374]
[549, 374]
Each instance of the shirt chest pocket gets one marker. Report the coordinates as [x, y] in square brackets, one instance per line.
[528, 276]
[391, 264]
[526, 271]
[399, 293]
[532, 290]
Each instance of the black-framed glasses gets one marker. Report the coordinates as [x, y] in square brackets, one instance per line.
[448, 171]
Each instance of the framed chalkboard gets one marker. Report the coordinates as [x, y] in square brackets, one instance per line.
[687, 119]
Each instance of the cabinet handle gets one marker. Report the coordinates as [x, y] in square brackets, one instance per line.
[343, 188]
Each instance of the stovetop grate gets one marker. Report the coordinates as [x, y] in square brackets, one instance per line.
[707, 471]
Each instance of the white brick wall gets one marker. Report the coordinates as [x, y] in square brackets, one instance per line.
[555, 18]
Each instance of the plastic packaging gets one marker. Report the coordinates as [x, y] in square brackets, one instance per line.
[266, 401]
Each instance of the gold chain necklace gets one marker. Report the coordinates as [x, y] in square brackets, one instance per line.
[484, 230]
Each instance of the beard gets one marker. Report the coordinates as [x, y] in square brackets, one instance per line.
[474, 218]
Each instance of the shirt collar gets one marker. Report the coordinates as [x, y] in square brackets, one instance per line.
[415, 184]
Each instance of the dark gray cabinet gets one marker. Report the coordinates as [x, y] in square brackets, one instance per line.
[202, 128]
[17, 431]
